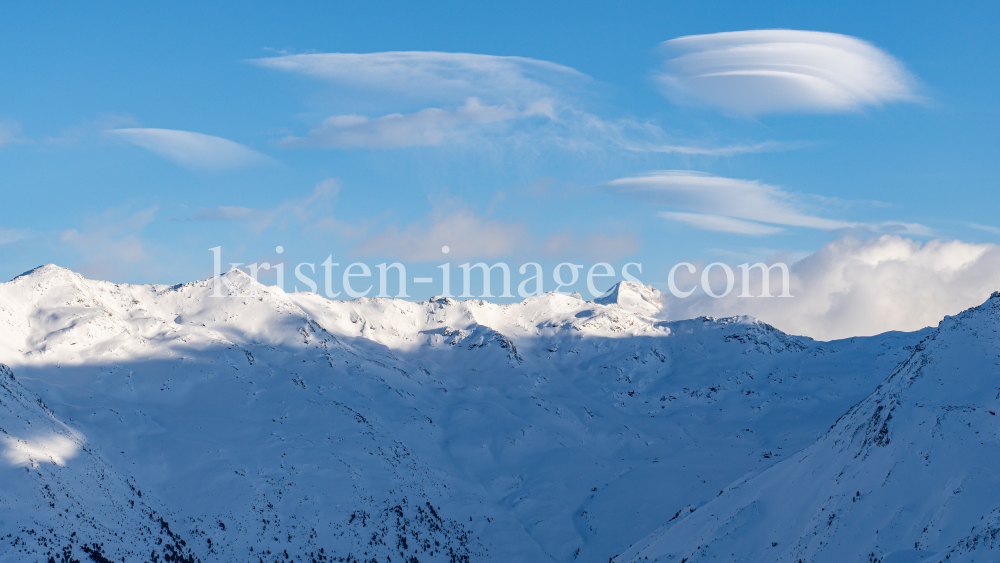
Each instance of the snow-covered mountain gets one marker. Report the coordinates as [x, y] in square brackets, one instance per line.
[163, 423]
[910, 474]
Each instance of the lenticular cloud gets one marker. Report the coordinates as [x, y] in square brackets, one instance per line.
[782, 71]
[720, 203]
[195, 150]
[428, 74]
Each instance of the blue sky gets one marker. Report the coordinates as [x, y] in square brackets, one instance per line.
[515, 131]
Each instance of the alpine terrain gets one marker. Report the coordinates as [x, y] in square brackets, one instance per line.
[165, 423]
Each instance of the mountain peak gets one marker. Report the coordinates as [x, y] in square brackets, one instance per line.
[634, 297]
[48, 271]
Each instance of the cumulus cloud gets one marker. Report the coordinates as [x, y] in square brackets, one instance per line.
[424, 128]
[782, 71]
[721, 204]
[190, 149]
[854, 287]
[434, 75]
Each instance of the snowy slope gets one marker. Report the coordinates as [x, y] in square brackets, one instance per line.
[271, 426]
[64, 498]
[912, 473]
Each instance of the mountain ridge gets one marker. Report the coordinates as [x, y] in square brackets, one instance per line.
[901, 438]
[323, 417]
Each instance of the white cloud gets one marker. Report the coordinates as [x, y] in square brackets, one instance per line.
[985, 228]
[720, 223]
[782, 71]
[725, 150]
[854, 287]
[11, 235]
[500, 95]
[194, 150]
[716, 198]
[434, 75]
[541, 122]
[476, 95]
[584, 130]
[427, 127]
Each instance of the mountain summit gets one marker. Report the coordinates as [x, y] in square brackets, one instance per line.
[634, 297]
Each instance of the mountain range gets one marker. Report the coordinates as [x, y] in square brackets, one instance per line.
[166, 423]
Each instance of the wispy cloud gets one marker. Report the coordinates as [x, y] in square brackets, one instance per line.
[472, 235]
[11, 235]
[585, 131]
[225, 213]
[782, 71]
[521, 101]
[424, 128]
[110, 244]
[985, 228]
[473, 96]
[434, 75]
[315, 211]
[594, 246]
[9, 133]
[724, 150]
[716, 199]
[720, 223]
[91, 130]
[193, 150]
[466, 234]
[864, 230]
